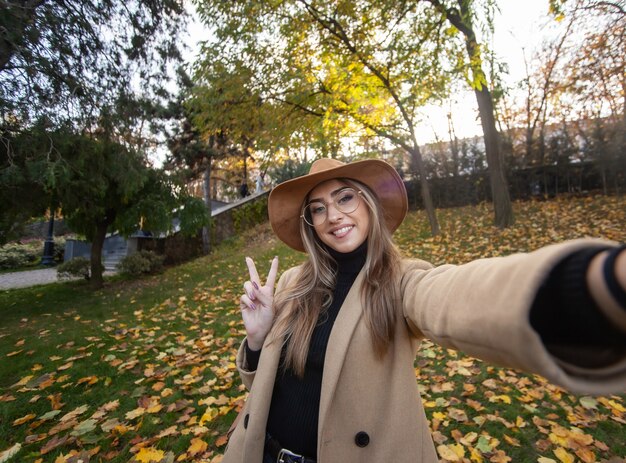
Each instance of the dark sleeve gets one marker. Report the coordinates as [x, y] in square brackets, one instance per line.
[567, 318]
[252, 358]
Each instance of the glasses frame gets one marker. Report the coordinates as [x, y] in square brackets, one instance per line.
[359, 195]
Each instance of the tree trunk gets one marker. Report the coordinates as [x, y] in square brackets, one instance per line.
[97, 244]
[206, 190]
[416, 157]
[499, 188]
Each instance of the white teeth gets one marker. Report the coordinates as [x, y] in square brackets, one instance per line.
[341, 231]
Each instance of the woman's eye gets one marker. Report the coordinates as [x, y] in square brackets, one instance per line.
[317, 209]
[346, 198]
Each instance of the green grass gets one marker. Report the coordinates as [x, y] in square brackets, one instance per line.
[149, 363]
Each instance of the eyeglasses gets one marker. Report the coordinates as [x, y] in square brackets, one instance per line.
[316, 212]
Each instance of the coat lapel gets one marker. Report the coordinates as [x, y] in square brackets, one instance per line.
[349, 315]
[264, 380]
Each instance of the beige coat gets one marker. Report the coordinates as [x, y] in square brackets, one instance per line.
[480, 308]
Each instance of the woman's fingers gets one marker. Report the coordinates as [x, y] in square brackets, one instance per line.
[271, 276]
[248, 287]
[246, 302]
[254, 275]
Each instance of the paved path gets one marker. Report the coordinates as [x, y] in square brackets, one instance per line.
[28, 278]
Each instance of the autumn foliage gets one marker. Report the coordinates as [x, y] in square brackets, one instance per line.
[144, 371]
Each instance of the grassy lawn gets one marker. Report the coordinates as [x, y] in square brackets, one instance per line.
[144, 370]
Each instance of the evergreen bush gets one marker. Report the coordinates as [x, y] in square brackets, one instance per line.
[141, 262]
[75, 268]
[16, 255]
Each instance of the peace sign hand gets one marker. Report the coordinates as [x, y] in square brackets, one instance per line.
[257, 304]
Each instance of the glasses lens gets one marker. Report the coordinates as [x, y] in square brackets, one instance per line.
[316, 212]
[347, 201]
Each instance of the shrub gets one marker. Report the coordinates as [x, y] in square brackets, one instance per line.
[250, 214]
[15, 255]
[77, 267]
[59, 249]
[140, 263]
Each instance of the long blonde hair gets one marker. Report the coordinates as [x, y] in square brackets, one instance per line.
[299, 306]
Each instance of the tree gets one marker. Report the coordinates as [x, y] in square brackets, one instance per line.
[100, 185]
[460, 16]
[65, 59]
[369, 63]
[22, 178]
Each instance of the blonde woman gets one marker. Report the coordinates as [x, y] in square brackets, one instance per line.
[328, 358]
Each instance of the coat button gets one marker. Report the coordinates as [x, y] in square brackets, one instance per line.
[362, 439]
[245, 421]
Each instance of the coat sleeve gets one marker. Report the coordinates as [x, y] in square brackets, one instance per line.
[482, 308]
[247, 376]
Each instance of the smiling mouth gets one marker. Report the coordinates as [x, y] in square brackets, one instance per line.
[342, 231]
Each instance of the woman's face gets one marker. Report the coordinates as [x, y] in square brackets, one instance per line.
[343, 232]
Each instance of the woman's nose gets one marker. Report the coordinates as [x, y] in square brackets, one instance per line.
[334, 214]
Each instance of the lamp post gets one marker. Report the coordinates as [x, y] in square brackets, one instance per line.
[48, 247]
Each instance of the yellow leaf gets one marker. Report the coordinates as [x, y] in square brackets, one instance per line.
[131, 415]
[555, 439]
[209, 415]
[616, 406]
[197, 446]
[90, 380]
[586, 455]
[476, 456]
[545, 460]
[23, 381]
[149, 454]
[155, 408]
[563, 455]
[66, 366]
[452, 452]
[512, 441]
[24, 419]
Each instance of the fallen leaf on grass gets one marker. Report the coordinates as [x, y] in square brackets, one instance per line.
[563, 455]
[24, 419]
[197, 446]
[53, 444]
[149, 455]
[512, 441]
[222, 440]
[453, 452]
[10, 452]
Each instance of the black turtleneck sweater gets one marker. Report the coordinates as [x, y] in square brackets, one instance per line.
[293, 415]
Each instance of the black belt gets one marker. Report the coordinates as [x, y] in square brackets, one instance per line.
[282, 455]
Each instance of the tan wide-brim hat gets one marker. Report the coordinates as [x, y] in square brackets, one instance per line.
[286, 200]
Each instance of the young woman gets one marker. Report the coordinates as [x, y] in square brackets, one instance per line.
[328, 359]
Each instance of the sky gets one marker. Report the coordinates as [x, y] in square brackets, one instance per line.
[520, 28]
[520, 25]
